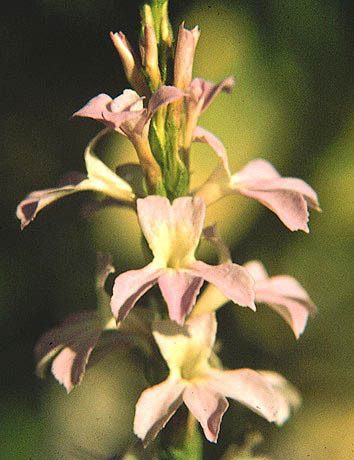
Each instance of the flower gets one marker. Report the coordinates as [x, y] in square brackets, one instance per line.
[70, 344]
[99, 178]
[287, 197]
[126, 113]
[173, 233]
[203, 389]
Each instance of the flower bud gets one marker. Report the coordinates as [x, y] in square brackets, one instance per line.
[149, 54]
[186, 43]
[130, 62]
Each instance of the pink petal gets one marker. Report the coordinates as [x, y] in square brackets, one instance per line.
[129, 287]
[200, 88]
[180, 290]
[233, 280]
[248, 387]
[288, 397]
[207, 406]
[288, 198]
[155, 407]
[95, 107]
[288, 298]
[163, 96]
[55, 339]
[202, 135]
[256, 270]
[28, 208]
[70, 364]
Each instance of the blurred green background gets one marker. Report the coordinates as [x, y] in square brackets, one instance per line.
[292, 104]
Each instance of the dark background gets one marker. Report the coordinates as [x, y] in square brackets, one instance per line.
[292, 104]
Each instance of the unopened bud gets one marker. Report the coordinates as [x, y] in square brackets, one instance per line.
[166, 29]
[150, 56]
[186, 43]
[130, 62]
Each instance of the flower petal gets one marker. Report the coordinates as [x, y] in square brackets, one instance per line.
[95, 107]
[56, 338]
[202, 135]
[200, 88]
[248, 387]
[129, 287]
[180, 290]
[288, 298]
[100, 179]
[70, 364]
[155, 407]
[286, 197]
[207, 406]
[163, 96]
[172, 231]
[288, 397]
[233, 280]
[284, 294]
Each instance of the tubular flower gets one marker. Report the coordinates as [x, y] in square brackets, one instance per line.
[201, 387]
[173, 233]
[287, 197]
[99, 178]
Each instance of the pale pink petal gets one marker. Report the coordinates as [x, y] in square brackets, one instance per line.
[256, 270]
[233, 280]
[95, 107]
[56, 338]
[288, 198]
[207, 406]
[28, 208]
[289, 398]
[129, 287]
[200, 88]
[70, 364]
[202, 135]
[172, 231]
[180, 290]
[248, 387]
[288, 298]
[155, 407]
[163, 96]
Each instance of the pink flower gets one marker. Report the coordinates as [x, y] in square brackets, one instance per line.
[287, 197]
[69, 345]
[173, 233]
[126, 113]
[99, 178]
[186, 43]
[201, 387]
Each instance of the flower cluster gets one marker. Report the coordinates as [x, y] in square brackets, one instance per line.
[160, 118]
